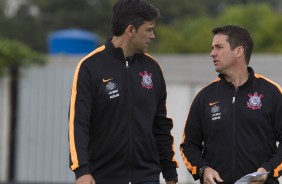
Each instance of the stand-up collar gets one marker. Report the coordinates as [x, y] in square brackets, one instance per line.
[118, 52]
[249, 80]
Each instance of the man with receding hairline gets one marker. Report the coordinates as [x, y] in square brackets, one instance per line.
[234, 122]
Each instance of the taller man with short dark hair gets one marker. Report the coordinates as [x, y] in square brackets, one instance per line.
[119, 132]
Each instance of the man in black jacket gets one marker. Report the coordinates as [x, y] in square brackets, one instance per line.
[235, 122]
[119, 132]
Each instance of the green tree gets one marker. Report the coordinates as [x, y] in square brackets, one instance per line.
[193, 35]
[276, 45]
[188, 36]
[35, 19]
[259, 19]
[13, 56]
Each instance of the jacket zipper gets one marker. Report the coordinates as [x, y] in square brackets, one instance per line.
[234, 130]
[129, 122]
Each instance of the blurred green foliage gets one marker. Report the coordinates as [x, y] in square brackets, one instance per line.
[195, 36]
[15, 54]
[185, 26]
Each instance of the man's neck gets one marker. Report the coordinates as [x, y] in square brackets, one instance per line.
[121, 42]
[238, 78]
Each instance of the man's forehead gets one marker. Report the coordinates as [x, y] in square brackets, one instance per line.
[149, 24]
[219, 39]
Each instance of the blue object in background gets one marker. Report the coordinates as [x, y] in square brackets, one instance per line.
[72, 41]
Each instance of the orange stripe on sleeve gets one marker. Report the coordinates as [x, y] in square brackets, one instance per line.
[173, 158]
[73, 152]
[274, 83]
[191, 168]
[279, 168]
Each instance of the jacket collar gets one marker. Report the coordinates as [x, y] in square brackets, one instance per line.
[250, 79]
[118, 52]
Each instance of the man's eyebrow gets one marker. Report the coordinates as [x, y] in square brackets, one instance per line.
[217, 45]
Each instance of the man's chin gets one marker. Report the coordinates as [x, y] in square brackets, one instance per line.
[217, 70]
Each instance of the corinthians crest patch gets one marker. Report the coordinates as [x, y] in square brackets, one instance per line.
[254, 101]
[147, 81]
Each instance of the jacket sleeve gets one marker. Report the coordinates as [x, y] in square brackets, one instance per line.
[191, 146]
[79, 115]
[275, 164]
[162, 132]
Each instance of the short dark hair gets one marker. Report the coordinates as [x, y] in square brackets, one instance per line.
[132, 12]
[237, 36]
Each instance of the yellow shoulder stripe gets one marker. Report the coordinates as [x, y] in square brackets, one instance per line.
[275, 84]
[73, 152]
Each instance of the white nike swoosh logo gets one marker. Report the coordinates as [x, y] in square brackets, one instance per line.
[107, 80]
[213, 103]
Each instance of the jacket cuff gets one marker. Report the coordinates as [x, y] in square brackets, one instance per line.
[169, 173]
[175, 179]
[81, 171]
[268, 167]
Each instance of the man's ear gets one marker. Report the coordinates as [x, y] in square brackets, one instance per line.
[130, 30]
[239, 51]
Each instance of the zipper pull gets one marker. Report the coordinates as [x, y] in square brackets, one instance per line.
[233, 100]
[126, 64]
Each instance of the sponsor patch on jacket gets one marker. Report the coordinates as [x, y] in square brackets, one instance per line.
[215, 111]
[111, 88]
[147, 81]
[255, 101]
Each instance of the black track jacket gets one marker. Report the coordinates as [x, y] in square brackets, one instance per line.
[118, 126]
[235, 132]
